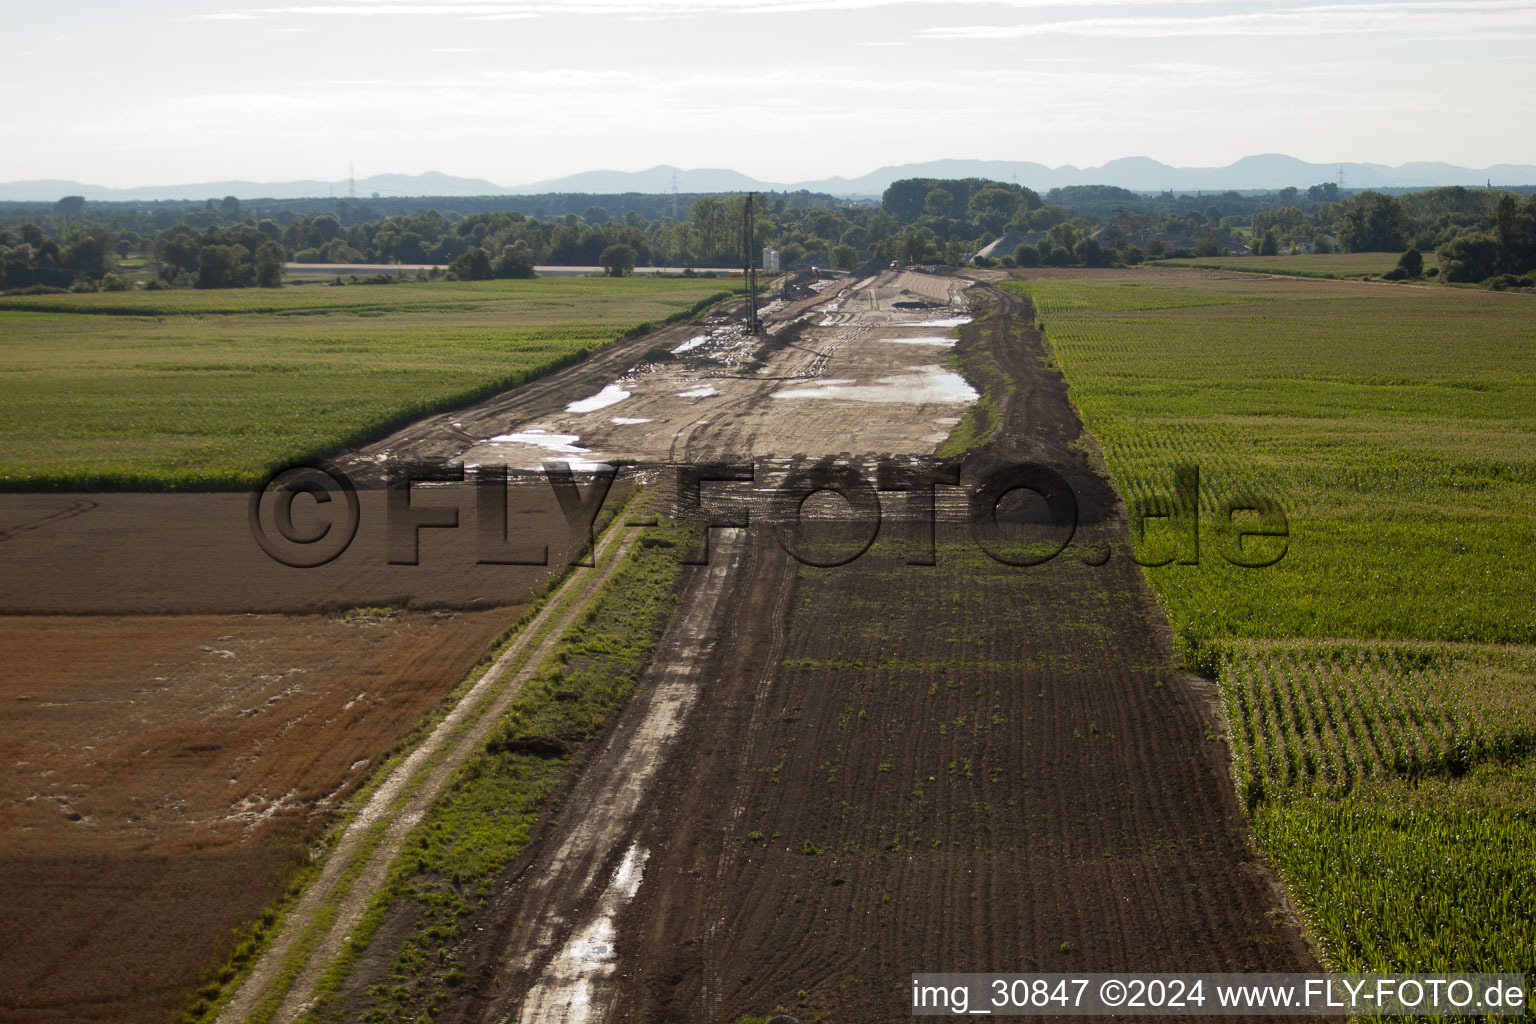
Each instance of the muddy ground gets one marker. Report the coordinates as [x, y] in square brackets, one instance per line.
[162, 776]
[836, 777]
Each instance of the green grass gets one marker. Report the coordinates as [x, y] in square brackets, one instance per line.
[214, 389]
[1379, 681]
[1333, 264]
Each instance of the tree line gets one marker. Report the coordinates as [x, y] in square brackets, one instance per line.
[1477, 234]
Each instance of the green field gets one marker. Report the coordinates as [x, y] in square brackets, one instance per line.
[1380, 679]
[1332, 264]
[213, 389]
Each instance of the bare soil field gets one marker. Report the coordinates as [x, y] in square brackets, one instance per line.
[174, 554]
[164, 776]
[881, 768]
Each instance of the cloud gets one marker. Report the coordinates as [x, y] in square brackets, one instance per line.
[1437, 18]
[501, 10]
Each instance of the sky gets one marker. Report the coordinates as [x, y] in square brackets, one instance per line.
[519, 91]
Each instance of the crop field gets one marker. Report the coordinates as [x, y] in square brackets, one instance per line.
[1378, 679]
[1324, 264]
[213, 389]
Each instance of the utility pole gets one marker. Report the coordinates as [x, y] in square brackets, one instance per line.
[749, 264]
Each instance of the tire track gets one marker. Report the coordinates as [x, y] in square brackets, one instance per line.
[370, 841]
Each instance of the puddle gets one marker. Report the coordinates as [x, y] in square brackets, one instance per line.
[936, 438]
[526, 449]
[629, 421]
[925, 384]
[565, 444]
[690, 344]
[954, 321]
[564, 992]
[931, 340]
[702, 391]
[613, 394]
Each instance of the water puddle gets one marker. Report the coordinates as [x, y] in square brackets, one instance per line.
[954, 321]
[564, 991]
[702, 391]
[629, 421]
[923, 385]
[928, 340]
[529, 449]
[690, 344]
[613, 394]
[565, 444]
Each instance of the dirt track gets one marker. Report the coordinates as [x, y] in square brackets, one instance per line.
[890, 768]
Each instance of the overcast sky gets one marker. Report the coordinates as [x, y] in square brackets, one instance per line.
[515, 91]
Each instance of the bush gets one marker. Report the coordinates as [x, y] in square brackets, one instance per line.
[618, 260]
[1411, 263]
[1026, 255]
[1395, 274]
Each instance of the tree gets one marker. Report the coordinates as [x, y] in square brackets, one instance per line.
[222, 266]
[992, 208]
[1269, 245]
[937, 202]
[1412, 262]
[618, 260]
[514, 261]
[1470, 256]
[89, 252]
[1371, 222]
[595, 215]
[269, 265]
[1026, 255]
[1327, 192]
[915, 246]
[70, 206]
[1091, 254]
[473, 265]
[845, 257]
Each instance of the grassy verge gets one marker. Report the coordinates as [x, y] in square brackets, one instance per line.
[486, 816]
[213, 390]
[249, 942]
[982, 418]
[1378, 679]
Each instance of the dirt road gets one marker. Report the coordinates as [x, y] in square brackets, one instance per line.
[879, 768]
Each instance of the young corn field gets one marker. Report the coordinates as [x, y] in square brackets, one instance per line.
[1379, 678]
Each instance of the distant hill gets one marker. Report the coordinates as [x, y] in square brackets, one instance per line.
[1266, 171]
